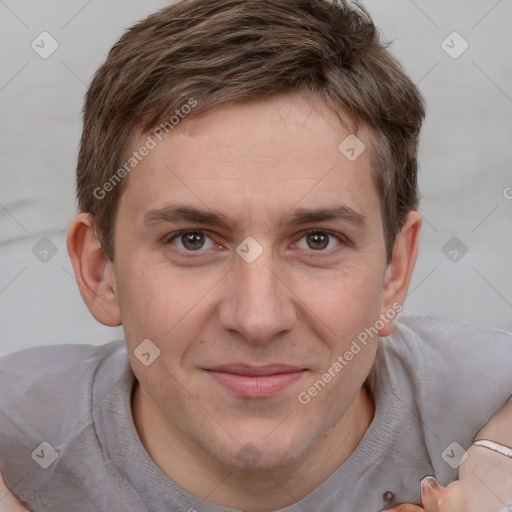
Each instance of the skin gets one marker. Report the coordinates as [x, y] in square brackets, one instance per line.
[297, 303]
[484, 484]
[8, 501]
[255, 163]
[485, 477]
[218, 308]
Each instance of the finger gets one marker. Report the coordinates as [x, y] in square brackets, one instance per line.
[430, 494]
[405, 507]
[8, 501]
[436, 498]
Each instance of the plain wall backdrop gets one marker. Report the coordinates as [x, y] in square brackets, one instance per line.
[458, 52]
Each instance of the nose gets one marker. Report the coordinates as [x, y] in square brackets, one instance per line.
[257, 302]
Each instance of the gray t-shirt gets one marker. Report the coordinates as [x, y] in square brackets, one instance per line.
[435, 381]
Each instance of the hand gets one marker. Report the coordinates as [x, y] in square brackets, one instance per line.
[485, 477]
[406, 507]
[456, 497]
[9, 502]
[435, 498]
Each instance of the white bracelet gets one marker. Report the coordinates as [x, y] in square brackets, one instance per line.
[504, 450]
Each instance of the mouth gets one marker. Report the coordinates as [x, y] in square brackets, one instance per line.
[248, 381]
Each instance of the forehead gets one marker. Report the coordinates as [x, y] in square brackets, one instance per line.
[260, 158]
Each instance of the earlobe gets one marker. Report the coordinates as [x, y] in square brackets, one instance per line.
[93, 271]
[399, 271]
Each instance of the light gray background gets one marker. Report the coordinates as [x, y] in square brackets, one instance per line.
[465, 156]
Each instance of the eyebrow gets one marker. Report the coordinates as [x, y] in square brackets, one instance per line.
[185, 213]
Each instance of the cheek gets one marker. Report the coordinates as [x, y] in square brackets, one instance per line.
[343, 313]
[156, 303]
[344, 303]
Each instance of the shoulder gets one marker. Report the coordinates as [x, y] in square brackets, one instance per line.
[49, 389]
[456, 374]
[38, 370]
[446, 334]
[49, 439]
[446, 350]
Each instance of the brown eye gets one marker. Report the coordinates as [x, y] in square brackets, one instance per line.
[324, 243]
[191, 241]
[317, 240]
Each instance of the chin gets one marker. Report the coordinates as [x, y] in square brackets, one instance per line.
[263, 462]
[265, 454]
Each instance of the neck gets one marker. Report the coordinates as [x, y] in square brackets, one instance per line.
[191, 468]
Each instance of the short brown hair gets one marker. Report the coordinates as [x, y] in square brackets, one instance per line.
[225, 51]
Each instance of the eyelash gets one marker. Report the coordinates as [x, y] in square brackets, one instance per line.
[343, 242]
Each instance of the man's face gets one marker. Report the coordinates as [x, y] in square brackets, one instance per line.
[209, 297]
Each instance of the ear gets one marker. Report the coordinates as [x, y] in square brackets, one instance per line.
[399, 271]
[94, 272]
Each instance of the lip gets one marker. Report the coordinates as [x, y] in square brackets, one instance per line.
[256, 381]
